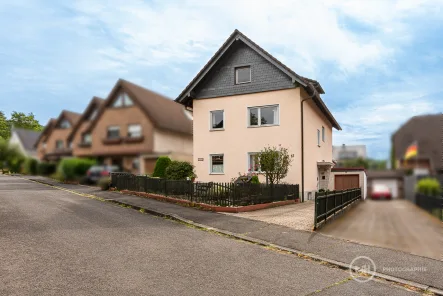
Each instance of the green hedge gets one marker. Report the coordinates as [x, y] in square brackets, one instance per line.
[74, 168]
[428, 186]
[160, 166]
[179, 170]
[31, 166]
[46, 168]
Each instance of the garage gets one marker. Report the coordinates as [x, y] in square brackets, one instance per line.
[348, 178]
[393, 179]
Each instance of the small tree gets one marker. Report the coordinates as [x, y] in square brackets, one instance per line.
[160, 166]
[274, 162]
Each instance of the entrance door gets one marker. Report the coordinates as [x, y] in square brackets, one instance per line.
[343, 182]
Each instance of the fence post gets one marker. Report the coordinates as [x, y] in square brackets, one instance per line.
[165, 187]
[315, 210]
[326, 205]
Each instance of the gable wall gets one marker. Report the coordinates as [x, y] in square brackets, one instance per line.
[220, 80]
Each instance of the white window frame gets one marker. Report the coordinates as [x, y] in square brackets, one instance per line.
[141, 130]
[259, 115]
[65, 121]
[249, 162]
[210, 120]
[124, 98]
[56, 144]
[84, 137]
[210, 164]
[236, 76]
[323, 136]
[318, 137]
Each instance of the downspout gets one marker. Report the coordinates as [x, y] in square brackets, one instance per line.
[314, 92]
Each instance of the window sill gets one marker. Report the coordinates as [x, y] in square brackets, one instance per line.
[112, 141]
[216, 173]
[216, 129]
[267, 125]
[84, 145]
[134, 139]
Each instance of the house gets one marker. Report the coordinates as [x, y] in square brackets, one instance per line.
[393, 179]
[132, 128]
[53, 144]
[245, 99]
[345, 152]
[81, 141]
[348, 178]
[24, 139]
[425, 132]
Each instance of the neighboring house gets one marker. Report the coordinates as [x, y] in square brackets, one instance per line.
[243, 100]
[132, 128]
[53, 144]
[348, 178]
[82, 141]
[25, 140]
[345, 152]
[426, 132]
[393, 179]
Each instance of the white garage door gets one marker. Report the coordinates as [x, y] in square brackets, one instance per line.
[390, 183]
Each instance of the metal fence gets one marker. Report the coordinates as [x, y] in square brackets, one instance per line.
[432, 204]
[221, 194]
[329, 203]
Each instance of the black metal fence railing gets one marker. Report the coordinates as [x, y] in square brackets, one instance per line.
[432, 204]
[329, 203]
[221, 194]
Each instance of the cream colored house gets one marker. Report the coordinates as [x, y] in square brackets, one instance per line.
[243, 100]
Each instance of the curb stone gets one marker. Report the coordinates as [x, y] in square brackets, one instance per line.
[263, 243]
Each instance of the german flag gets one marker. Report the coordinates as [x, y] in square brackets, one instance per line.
[412, 151]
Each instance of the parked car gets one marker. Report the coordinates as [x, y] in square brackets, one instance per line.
[98, 171]
[381, 191]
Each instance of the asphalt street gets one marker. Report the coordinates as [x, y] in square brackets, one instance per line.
[53, 242]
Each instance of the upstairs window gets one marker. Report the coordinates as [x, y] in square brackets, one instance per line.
[59, 144]
[113, 132]
[242, 75]
[134, 131]
[263, 116]
[122, 100]
[65, 124]
[318, 138]
[87, 139]
[323, 133]
[253, 164]
[217, 120]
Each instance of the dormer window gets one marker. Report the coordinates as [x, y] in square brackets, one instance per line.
[65, 124]
[93, 115]
[242, 75]
[122, 100]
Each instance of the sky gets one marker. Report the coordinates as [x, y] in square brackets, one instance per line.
[379, 62]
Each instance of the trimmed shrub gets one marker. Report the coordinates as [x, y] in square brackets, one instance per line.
[104, 183]
[74, 168]
[179, 170]
[428, 186]
[255, 180]
[160, 166]
[31, 165]
[46, 168]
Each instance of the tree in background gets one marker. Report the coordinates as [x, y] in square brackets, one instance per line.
[370, 164]
[21, 120]
[4, 126]
[18, 120]
[10, 157]
[274, 162]
[160, 166]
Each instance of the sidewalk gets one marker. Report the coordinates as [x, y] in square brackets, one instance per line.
[428, 272]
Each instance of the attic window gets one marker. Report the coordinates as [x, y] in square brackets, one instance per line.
[122, 100]
[65, 124]
[93, 115]
[242, 75]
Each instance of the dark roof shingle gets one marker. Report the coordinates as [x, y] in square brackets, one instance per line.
[28, 138]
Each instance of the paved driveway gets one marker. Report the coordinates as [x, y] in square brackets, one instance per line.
[396, 224]
[298, 216]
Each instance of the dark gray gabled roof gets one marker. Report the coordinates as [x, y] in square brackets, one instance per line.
[186, 94]
[27, 137]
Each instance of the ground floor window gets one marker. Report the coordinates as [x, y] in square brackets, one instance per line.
[217, 163]
[253, 164]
